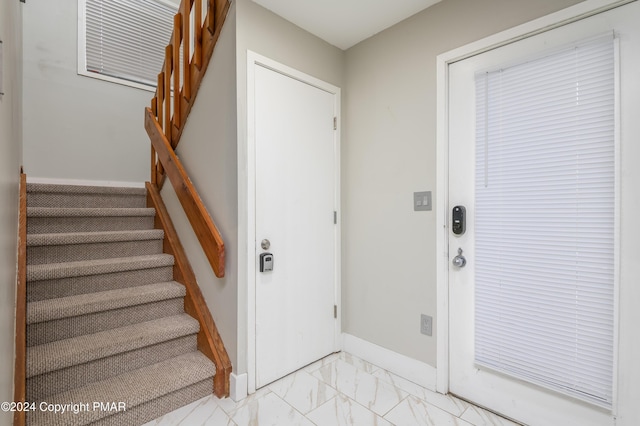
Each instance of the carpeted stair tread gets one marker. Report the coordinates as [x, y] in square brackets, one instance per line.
[56, 239]
[95, 267]
[135, 388]
[89, 211]
[83, 304]
[77, 350]
[105, 321]
[78, 246]
[151, 410]
[53, 195]
[40, 387]
[65, 328]
[81, 189]
[71, 286]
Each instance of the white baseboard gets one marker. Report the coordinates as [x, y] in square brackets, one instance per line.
[82, 182]
[408, 368]
[238, 386]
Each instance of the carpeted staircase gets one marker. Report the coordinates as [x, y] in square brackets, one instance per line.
[105, 320]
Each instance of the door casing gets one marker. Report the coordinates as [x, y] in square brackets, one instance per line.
[255, 60]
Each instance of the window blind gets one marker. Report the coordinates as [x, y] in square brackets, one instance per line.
[545, 220]
[126, 39]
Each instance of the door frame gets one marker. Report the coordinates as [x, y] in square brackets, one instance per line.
[558, 19]
[256, 60]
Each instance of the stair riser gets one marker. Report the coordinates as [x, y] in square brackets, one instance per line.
[50, 289]
[39, 387]
[65, 328]
[37, 255]
[48, 199]
[52, 225]
[153, 409]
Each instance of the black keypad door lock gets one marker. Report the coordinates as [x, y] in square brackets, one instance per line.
[459, 220]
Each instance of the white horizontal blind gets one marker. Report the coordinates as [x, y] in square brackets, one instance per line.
[126, 39]
[544, 221]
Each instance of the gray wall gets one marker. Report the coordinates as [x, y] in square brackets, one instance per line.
[207, 150]
[10, 159]
[389, 151]
[76, 127]
[265, 33]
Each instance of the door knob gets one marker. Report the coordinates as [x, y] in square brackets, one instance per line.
[265, 244]
[459, 261]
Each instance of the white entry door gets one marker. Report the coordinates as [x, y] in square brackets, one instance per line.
[512, 391]
[296, 203]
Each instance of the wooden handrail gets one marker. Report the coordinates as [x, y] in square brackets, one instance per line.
[209, 341]
[20, 370]
[196, 212]
[178, 83]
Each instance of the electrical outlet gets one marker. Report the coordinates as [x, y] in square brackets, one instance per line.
[426, 323]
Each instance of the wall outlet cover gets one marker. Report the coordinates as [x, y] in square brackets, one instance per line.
[426, 325]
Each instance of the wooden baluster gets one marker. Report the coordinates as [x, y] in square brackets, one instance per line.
[197, 57]
[154, 110]
[160, 96]
[160, 115]
[168, 68]
[186, 50]
[177, 36]
[172, 113]
[211, 16]
[154, 105]
[153, 166]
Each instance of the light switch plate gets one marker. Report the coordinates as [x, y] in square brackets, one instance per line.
[422, 201]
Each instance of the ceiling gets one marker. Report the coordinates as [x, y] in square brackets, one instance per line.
[344, 23]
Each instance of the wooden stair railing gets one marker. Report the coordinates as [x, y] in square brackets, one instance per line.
[198, 23]
[20, 369]
[196, 212]
[209, 341]
[197, 26]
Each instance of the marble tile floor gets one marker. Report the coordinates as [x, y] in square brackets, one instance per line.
[340, 389]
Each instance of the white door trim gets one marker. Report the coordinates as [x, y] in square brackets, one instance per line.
[563, 17]
[254, 60]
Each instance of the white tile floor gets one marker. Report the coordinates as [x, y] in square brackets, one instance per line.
[338, 390]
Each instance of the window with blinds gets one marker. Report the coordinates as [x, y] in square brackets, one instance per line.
[124, 40]
[545, 220]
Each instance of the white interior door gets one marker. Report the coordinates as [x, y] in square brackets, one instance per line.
[296, 173]
[515, 397]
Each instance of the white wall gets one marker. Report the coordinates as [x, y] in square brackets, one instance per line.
[207, 150]
[388, 152]
[10, 159]
[76, 127]
[265, 33]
